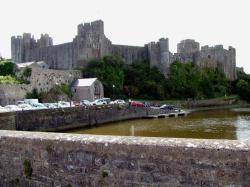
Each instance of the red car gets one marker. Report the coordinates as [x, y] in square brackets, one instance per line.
[136, 104]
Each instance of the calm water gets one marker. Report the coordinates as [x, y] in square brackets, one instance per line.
[211, 124]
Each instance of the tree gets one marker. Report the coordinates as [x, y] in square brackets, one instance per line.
[7, 68]
[243, 89]
[109, 70]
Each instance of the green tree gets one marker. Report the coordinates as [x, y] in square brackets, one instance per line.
[7, 68]
[189, 81]
[243, 89]
[35, 95]
[27, 72]
[109, 70]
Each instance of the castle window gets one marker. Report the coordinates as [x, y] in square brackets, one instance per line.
[209, 57]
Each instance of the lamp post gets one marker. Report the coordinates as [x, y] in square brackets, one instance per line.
[113, 88]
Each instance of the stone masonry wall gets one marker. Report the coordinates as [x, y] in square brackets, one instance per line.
[91, 43]
[68, 118]
[10, 94]
[41, 79]
[130, 54]
[45, 79]
[57, 56]
[33, 159]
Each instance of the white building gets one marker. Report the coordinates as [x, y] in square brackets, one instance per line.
[89, 89]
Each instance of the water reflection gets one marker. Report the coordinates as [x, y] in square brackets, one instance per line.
[211, 124]
[243, 127]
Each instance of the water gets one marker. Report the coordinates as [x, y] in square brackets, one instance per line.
[211, 124]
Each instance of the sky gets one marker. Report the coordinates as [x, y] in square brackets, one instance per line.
[133, 22]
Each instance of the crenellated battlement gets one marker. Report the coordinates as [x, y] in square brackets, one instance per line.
[21, 45]
[91, 43]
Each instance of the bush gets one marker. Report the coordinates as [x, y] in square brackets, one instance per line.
[27, 72]
[243, 89]
[9, 80]
[7, 68]
[35, 95]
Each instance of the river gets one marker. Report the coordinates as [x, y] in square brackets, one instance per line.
[231, 124]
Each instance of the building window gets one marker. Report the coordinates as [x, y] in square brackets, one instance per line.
[75, 90]
[209, 57]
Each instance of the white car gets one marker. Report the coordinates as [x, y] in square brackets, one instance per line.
[20, 102]
[2, 109]
[63, 104]
[25, 107]
[12, 108]
[118, 101]
[50, 105]
[38, 106]
[85, 103]
[103, 101]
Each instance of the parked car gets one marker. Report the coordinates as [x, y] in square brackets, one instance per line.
[38, 106]
[25, 106]
[63, 104]
[103, 101]
[50, 105]
[31, 101]
[170, 108]
[136, 104]
[118, 101]
[12, 108]
[85, 103]
[20, 102]
[2, 109]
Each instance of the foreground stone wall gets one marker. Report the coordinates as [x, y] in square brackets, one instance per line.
[49, 159]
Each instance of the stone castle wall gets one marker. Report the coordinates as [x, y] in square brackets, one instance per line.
[218, 57]
[130, 54]
[45, 79]
[10, 94]
[91, 43]
[51, 159]
[41, 79]
[211, 57]
[57, 57]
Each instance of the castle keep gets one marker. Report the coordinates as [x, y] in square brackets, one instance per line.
[91, 43]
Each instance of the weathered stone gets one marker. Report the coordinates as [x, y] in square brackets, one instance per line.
[91, 43]
[77, 160]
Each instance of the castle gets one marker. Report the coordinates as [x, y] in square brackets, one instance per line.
[91, 43]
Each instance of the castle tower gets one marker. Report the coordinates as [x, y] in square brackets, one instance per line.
[21, 46]
[45, 41]
[17, 49]
[159, 55]
[90, 43]
[232, 59]
[187, 51]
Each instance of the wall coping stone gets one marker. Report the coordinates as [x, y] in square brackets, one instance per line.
[186, 143]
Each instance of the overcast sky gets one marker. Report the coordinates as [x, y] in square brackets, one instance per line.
[133, 22]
